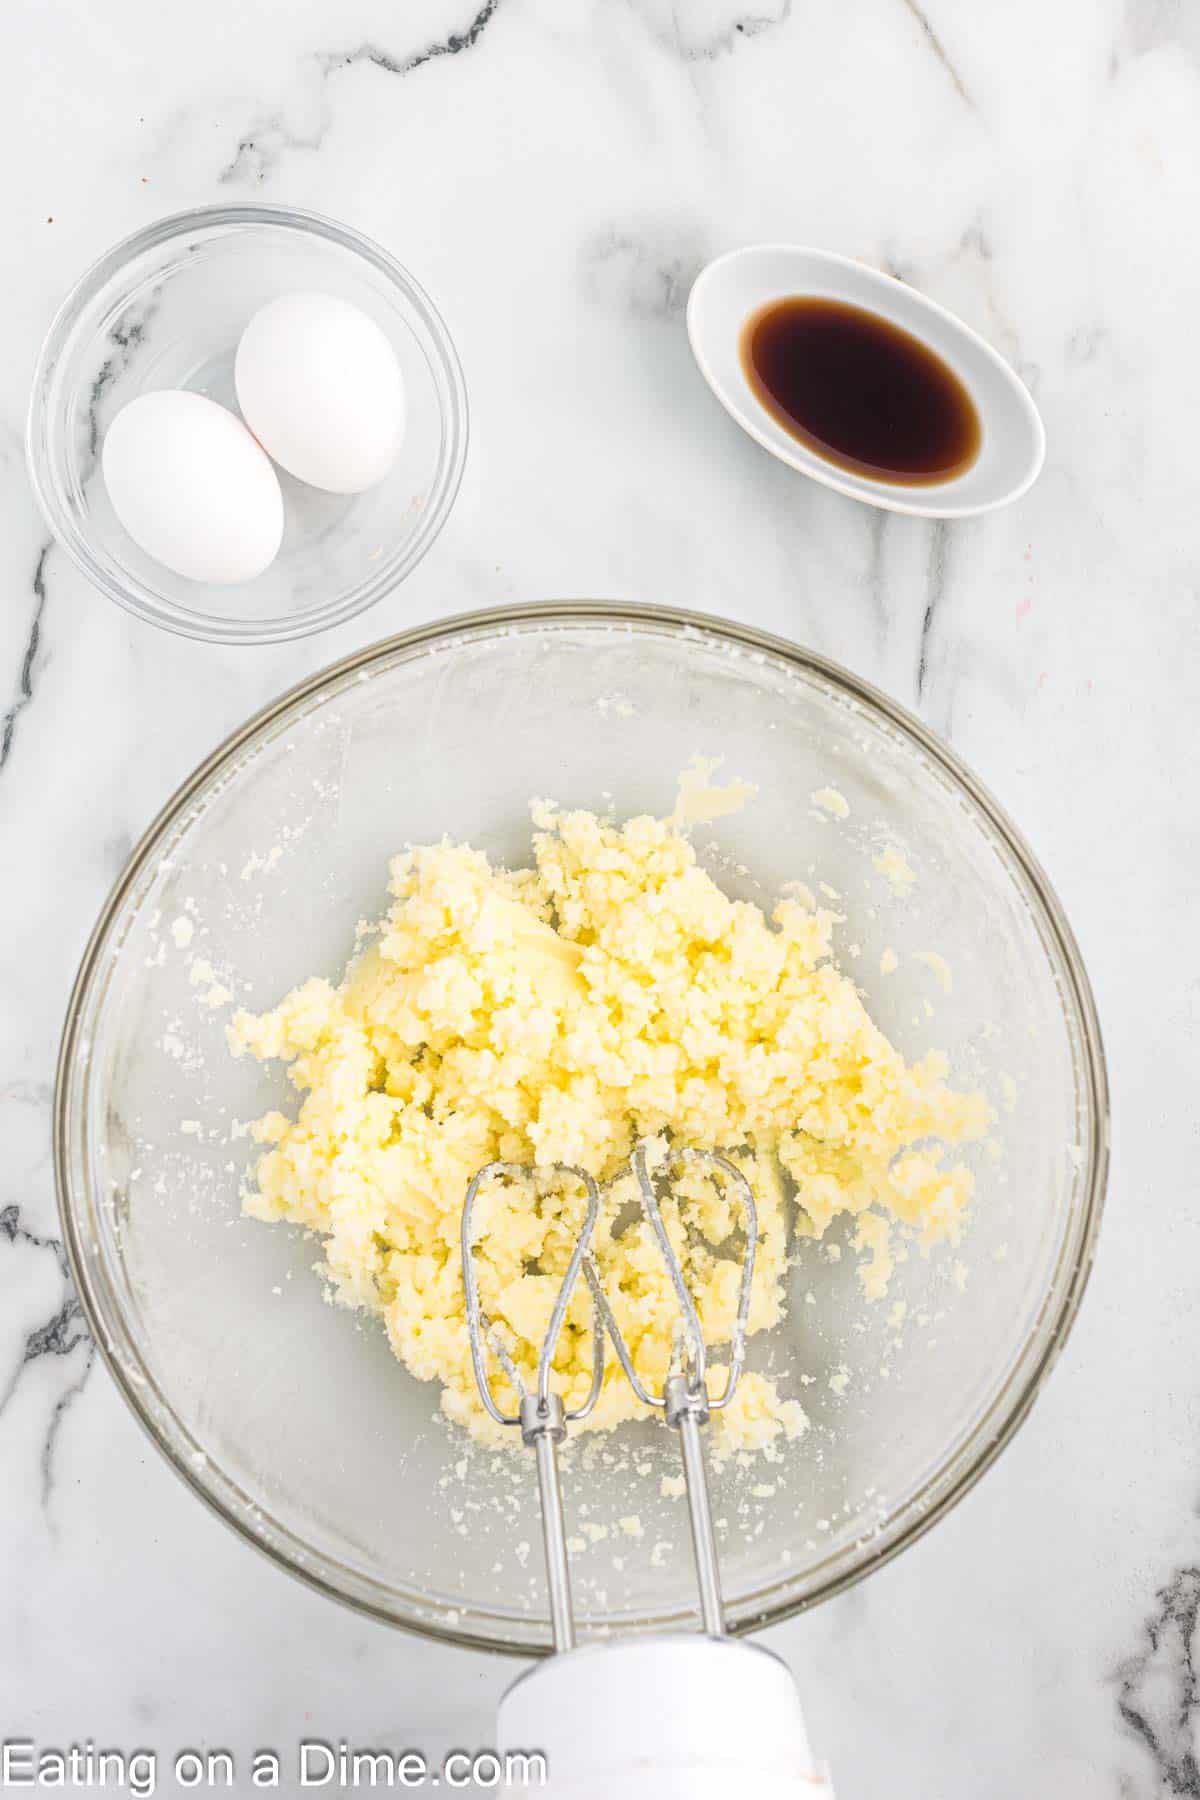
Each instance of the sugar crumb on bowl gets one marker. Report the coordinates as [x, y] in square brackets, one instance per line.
[896, 870]
[831, 801]
[938, 967]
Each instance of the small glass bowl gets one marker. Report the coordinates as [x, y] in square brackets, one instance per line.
[165, 309]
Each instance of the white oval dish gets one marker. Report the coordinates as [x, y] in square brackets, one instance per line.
[735, 286]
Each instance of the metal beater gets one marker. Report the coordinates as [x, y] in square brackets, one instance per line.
[684, 1402]
[681, 1715]
[541, 1415]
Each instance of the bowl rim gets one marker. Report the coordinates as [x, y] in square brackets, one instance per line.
[128, 592]
[991, 1433]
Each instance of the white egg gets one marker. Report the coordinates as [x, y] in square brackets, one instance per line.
[192, 488]
[321, 389]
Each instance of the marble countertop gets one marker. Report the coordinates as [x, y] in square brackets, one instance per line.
[556, 175]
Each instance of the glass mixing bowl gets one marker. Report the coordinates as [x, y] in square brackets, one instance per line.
[290, 1416]
[166, 309]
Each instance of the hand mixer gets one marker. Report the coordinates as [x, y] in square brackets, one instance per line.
[681, 1715]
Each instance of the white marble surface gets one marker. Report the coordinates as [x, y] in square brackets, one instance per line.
[556, 174]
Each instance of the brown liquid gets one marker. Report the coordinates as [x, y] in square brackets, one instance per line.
[860, 392]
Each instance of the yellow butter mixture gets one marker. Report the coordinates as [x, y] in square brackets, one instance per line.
[610, 994]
